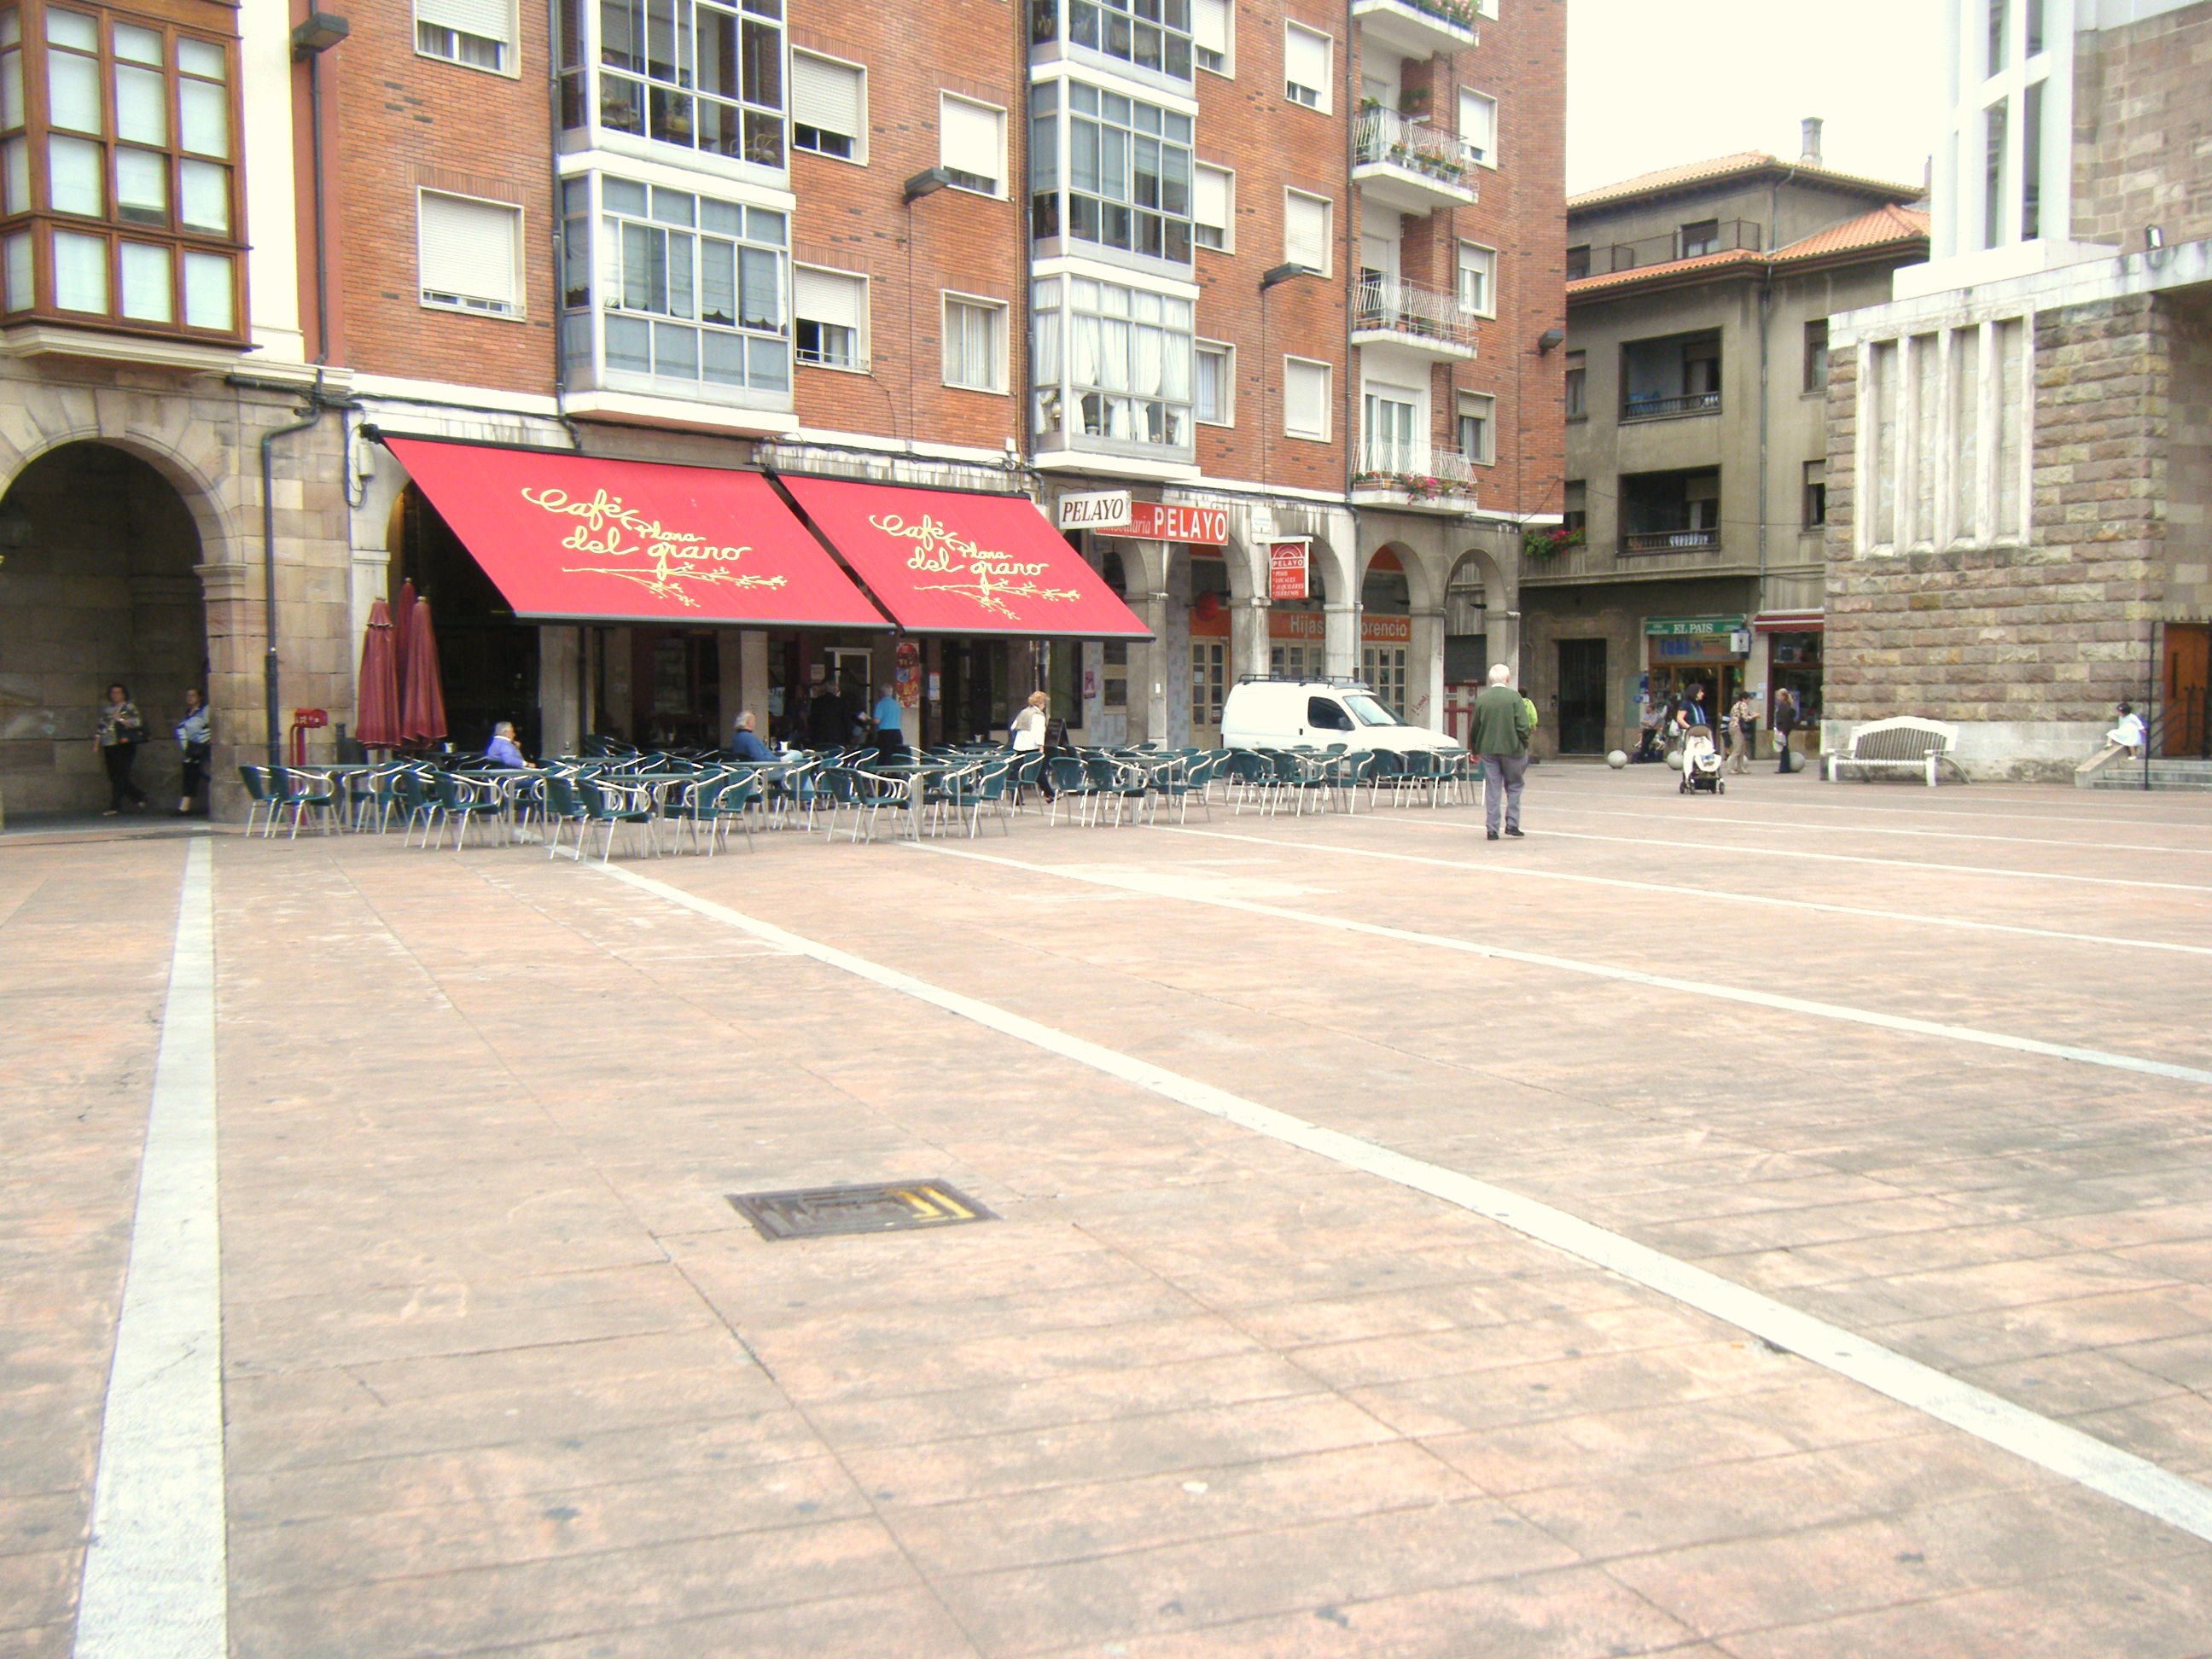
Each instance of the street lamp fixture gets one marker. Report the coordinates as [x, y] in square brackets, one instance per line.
[927, 182]
[320, 32]
[1280, 274]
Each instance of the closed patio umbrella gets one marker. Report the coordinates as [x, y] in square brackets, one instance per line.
[422, 696]
[376, 713]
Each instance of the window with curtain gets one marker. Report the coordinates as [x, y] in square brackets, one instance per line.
[1110, 170]
[1306, 230]
[119, 184]
[1305, 398]
[1213, 200]
[1395, 441]
[477, 33]
[1214, 402]
[684, 288]
[1213, 35]
[1478, 279]
[974, 336]
[1478, 427]
[705, 75]
[1149, 34]
[1112, 366]
[1306, 76]
[971, 143]
[828, 101]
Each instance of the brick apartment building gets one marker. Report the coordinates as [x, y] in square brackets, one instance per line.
[2019, 462]
[1294, 266]
[1698, 305]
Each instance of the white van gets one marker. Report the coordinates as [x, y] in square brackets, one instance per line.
[1289, 713]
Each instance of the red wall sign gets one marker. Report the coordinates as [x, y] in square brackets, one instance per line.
[1170, 521]
[1286, 570]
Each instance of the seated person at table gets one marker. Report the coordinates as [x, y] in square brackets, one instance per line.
[503, 749]
[746, 743]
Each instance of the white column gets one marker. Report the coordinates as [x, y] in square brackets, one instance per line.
[1425, 670]
[560, 688]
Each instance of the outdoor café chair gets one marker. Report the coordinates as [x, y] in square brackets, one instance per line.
[689, 804]
[461, 801]
[410, 788]
[1251, 780]
[731, 801]
[613, 804]
[1070, 781]
[260, 798]
[307, 791]
[1124, 782]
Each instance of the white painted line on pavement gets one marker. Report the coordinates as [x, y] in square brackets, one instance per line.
[1830, 1010]
[155, 1576]
[2135, 1481]
[1475, 866]
[1733, 847]
[1885, 830]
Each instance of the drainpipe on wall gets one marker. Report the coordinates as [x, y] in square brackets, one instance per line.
[306, 417]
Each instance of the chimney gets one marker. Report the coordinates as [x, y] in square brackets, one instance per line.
[1811, 127]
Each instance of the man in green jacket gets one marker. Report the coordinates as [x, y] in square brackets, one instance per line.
[1502, 720]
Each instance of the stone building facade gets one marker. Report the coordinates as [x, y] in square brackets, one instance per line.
[2018, 481]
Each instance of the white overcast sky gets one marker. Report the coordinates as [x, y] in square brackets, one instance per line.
[1652, 83]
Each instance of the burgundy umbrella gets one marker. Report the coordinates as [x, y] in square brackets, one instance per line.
[376, 709]
[422, 697]
[403, 612]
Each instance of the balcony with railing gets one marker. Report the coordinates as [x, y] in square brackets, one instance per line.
[1413, 315]
[1691, 241]
[1702, 538]
[1653, 407]
[1418, 28]
[1412, 476]
[1408, 164]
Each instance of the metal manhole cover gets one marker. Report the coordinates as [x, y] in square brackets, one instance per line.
[818, 1212]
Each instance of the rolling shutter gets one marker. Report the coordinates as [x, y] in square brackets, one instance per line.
[830, 296]
[1210, 197]
[1305, 397]
[1305, 231]
[1209, 26]
[969, 139]
[825, 95]
[467, 249]
[1305, 58]
[487, 20]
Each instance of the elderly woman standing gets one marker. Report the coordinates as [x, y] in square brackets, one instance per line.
[121, 731]
[195, 740]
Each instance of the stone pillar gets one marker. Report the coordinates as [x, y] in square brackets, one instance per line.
[1248, 639]
[1340, 638]
[560, 688]
[1151, 664]
[1425, 670]
[615, 711]
[730, 680]
[752, 677]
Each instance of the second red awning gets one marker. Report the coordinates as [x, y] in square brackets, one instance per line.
[577, 538]
[949, 562]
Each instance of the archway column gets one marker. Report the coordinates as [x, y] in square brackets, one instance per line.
[1424, 669]
[1340, 638]
[1248, 638]
[1150, 664]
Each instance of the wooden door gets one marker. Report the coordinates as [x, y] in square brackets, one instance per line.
[2186, 687]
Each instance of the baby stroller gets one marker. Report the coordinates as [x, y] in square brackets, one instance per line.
[1701, 764]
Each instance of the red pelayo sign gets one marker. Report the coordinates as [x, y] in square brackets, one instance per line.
[1171, 521]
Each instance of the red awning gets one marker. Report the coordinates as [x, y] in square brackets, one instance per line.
[945, 561]
[576, 537]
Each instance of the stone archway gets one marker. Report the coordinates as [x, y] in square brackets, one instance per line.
[99, 584]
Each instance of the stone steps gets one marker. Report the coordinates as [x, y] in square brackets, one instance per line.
[2164, 775]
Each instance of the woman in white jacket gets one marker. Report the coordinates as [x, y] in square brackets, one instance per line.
[1029, 725]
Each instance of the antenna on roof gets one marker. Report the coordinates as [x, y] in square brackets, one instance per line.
[1810, 126]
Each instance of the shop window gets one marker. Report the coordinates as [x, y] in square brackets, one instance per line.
[828, 104]
[1112, 366]
[118, 187]
[702, 75]
[1109, 170]
[673, 294]
[477, 33]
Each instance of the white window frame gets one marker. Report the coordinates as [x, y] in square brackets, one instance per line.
[1327, 384]
[519, 304]
[1487, 9]
[1489, 308]
[510, 63]
[1327, 229]
[1228, 70]
[1461, 399]
[859, 158]
[1489, 156]
[1227, 352]
[998, 193]
[863, 352]
[950, 297]
[1228, 226]
[1326, 102]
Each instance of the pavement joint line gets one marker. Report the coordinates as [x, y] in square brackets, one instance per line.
[1476, 868]
[1858, 858]
[2173, 1500]
[1842, 1013]
[1884, 829]
[157, 1576]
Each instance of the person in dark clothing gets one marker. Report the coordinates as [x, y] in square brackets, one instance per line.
[1785, 722]
[120, 733]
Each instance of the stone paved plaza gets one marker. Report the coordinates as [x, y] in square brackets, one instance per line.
[1259, 1356]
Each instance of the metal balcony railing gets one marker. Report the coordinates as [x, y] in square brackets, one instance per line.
[1670, 541]
[1414, 310]
[1727, 236]
[1384, 135]
[1413, 469]
[1654, 409]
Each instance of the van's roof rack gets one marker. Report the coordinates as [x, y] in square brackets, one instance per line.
[1343, 682]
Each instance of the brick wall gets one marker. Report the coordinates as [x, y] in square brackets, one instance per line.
[399, 123]
[2143, 130]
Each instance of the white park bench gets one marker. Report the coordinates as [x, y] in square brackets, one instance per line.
[1905, 743]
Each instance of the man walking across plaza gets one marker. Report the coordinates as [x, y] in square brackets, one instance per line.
[1503, 721]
